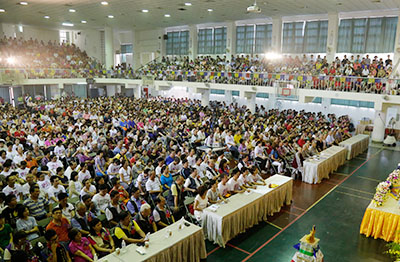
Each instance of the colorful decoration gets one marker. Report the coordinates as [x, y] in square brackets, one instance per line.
[390, 187]
[308, 249]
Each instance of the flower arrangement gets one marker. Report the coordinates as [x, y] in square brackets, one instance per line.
[393, 251]
[384, 188]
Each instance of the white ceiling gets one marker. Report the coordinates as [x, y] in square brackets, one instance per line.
[127, 13]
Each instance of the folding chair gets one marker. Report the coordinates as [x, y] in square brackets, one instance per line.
[189, 201]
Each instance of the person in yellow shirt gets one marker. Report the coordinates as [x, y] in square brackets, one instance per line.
[237, 137]
[128, 230]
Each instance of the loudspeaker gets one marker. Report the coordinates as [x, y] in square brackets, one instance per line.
[165, 37]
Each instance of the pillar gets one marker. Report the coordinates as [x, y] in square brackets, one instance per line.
[251, 102]
[276, 34]
[111, 90]
[192, 42]
[396, 58]
[326, 104]
[230, 39]
[228, 97]
[271, 101]
[333, 31]
[137, 91]
[378, 134]
[109, 47]
[205, 97]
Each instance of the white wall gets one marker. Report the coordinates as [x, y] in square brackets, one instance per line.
[89, 40]
[146, 43]
[44, 34]
[355, 113]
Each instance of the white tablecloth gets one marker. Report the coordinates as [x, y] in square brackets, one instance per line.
[245, 210]
[327, 162]
[355, 145]
[185, 244]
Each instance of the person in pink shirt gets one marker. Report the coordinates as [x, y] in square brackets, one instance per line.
[80, 246]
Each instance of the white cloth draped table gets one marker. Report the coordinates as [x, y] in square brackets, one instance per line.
[185, 244]
[327, 162]
[245, 210]
[355, 145]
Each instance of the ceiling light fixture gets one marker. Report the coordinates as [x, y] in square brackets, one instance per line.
[145, 11]
[209, 10]
[23, 3]
[167, 15]
[104, 3]
[110, 16]
[46, 17]
[68, 24]
[83, 21]
[72, 10]
[188, 4]
[2, 10]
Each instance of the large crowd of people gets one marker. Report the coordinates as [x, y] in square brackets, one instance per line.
[36, 59]
[97, 174]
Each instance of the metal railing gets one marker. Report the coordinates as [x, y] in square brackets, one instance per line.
[319, 82]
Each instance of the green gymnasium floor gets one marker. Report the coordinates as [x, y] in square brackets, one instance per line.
[336, 207]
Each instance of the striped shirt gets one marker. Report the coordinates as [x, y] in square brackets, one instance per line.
[37, 208]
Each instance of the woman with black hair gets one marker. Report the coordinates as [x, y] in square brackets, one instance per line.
[27, 223]
[100, 238]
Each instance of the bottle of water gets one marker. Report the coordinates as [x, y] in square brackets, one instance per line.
[123, 246]
[95, 258]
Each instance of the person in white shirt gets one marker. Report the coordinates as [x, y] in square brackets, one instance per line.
[175, 166]
[113, 168]
[23, 170]
[59, 150]
[102, 199]
[55, 189]
[201, 167]
[84, 173]
[88, 188]
[243, 179]
[153, 185]
[73, 166]
[200, 203]
[19, 156]
[125, 174]
[192, 157]
[230, 143]
[233, 183]
[254, 177]
[10, 153]
[13, 188]
[54, 164]
[67, 209]
[160, 164]
[32, 138]
[223, 187]
[142, 180]
[43, 183]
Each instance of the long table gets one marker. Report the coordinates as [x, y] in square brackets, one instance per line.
[245, 210]
[382, 222]
[185, 244]
[328, 161]
[355, 145]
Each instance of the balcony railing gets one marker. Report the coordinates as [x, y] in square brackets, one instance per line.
[319, 82]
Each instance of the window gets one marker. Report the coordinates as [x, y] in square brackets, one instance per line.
[126, 49]
[292, 41]
[220, 40]
[367, 35]
[253, 38]
[64, 36]
[263, 41]
[355, 103]
[315, 36]
[178, 43]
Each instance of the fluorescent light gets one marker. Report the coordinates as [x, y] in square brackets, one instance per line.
[83, 21]
[110, 16]
[23, 3]
[188, 4]
[46, 17]
[145, 11]
[72, 10]
[67, 24]
[209, 10]
[104, 3]
[2, 10]
[167, 15]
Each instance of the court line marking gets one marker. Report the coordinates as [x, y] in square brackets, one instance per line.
[357, 190]
[238, 248]
[297, 218]
[272, 224]
[341, 174]
[369, 178]
[352, 195]
[212, 251]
